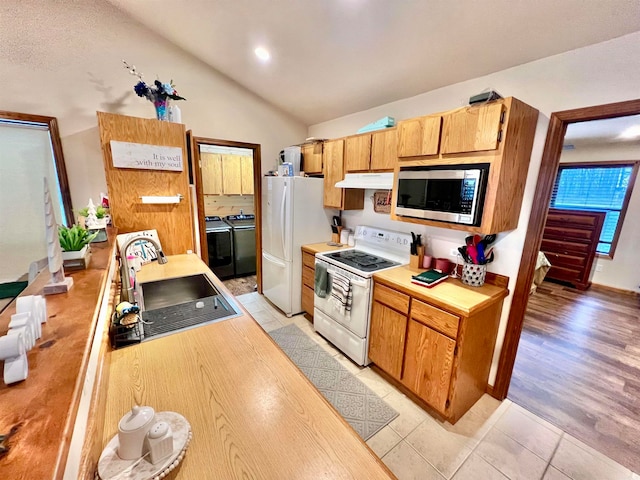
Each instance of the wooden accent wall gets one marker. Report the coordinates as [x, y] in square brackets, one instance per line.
[223, 205]
[173, 222]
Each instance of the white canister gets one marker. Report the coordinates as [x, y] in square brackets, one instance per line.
[344, 236]
[352, 239]
[132, 429]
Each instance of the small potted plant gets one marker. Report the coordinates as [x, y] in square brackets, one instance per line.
[74, 242]
[102, 215]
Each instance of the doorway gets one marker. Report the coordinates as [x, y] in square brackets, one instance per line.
[557, 312]
[227, 175]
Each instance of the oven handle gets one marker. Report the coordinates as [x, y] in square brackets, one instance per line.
[363, 284]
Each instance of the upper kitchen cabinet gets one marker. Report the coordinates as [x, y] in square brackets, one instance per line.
[472, 129]
[371, 152]
[384, 150]
[312, 158]
[211, 173]
[338, 198]
[246, 180]
[232, 171]
[357, 153]
[419, 136]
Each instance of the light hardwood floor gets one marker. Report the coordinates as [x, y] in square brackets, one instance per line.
[578, 366]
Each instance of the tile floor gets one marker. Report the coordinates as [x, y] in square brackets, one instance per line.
[493, 441]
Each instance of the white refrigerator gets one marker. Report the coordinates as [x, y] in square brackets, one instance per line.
[292, 215]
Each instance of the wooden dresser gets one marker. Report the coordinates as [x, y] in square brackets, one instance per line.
[569, 241]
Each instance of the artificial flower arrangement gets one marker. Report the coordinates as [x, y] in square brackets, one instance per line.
[158, 93]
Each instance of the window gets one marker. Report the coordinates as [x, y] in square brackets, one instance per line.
[597, 186]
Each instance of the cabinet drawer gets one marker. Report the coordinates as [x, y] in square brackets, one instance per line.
[308, 260]
[307, 299]
[392, 298]
[560, 259]
[308, 276]
[435, 318]
[564, 247]
[561, 233]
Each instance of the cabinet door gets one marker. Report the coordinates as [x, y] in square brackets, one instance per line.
[384, 150]
[211, 164]
[419, 136]
[472, 129]
[246, 165]
[386, 338]
[312, 155]
[357, 153]
[428, 364]
[333, 157]
[232, 175]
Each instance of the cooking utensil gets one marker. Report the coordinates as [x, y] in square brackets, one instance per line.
[476, 239]
[473, 253]
[337, 221]
[418, 240]
[480, 252]
[488, 240]
[469, 240]
[463, 253]
[413, 247]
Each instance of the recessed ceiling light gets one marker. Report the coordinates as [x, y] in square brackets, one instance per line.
[263, 54]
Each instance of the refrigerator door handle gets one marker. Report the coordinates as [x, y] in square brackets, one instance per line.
[283, 221]
[272, 259]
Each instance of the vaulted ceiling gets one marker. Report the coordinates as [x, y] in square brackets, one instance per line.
[330, 58]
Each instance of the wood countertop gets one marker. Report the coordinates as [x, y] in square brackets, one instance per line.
[253, 413]
[44, 406]
[451, 295]
[322, 247]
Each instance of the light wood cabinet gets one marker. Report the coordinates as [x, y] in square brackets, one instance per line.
[419, 136]
[386, 341]
[472, 129]
[211, 164]
[338, 198]
[312, 158]
[499, 134]
[357, 153]
[232, 175]
[426, 345]
[384, 150]
[308, 278]
[246, 167]
[428, 364]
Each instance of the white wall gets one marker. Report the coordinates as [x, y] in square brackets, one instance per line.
[602, 73]
[63, 59]
[623, 271]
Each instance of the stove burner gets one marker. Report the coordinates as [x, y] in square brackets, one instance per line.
[362, 261]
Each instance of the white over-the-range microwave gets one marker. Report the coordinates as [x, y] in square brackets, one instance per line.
[448, 193]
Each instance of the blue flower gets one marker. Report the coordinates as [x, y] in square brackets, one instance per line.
[168, 89]
[141, 89]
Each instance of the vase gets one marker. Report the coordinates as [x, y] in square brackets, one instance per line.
[162, 110]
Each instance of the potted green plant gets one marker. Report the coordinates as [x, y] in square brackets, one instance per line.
[74, 241]
[101, 220]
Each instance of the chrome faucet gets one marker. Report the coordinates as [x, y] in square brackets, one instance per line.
[124, 263]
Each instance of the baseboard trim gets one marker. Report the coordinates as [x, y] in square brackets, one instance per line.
[607, 288]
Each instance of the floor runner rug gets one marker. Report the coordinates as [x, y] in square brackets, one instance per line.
[364, 410]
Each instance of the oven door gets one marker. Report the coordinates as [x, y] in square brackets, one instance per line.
[356, 321]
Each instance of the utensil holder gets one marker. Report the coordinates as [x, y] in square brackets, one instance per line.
[473, 275]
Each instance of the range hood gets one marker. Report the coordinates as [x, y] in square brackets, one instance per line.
[383, 181]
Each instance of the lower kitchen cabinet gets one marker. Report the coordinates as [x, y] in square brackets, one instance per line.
[386, 341]
[308, 278]
[428, 364]
[438, 355]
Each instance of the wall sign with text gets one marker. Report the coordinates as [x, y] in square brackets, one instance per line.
[147, 157]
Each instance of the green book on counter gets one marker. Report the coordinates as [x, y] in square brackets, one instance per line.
[429, 278]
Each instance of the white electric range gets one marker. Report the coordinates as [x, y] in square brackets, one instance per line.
[375, 250]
